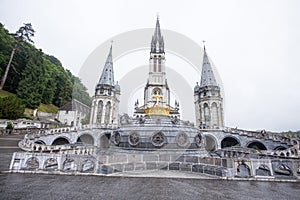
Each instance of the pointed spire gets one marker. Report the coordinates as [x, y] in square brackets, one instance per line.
[157, 28]
[207, 76]
[107, 76]
[157, 42]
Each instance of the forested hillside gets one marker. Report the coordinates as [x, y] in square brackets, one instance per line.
[36, 77]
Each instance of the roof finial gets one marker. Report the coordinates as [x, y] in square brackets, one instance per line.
[110, 51]
[157, 15]
[203, 44]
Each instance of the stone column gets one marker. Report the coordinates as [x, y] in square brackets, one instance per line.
[95, 112]
[103, 112]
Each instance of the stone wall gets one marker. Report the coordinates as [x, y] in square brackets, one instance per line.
[232, 168]
[121, 162]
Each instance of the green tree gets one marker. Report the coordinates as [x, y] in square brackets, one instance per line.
[32, 85]
[11, 108]
[79, 90]
[50, 85]
[53, 60]
[24, 34]
[63, 92]
[86, 120]
[29, 65]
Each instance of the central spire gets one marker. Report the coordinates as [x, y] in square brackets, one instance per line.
[157, 42]
[157, 92]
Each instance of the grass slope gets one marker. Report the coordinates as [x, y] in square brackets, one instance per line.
[4, 93]
[50, 108]
[43, 107]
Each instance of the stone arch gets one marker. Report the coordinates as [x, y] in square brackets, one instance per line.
[86, 139]
[69, 165]
[155, 90]
[263, 170]
[107, 112]
[230, 141]
[256, 145]
[32, 163]
[279, 148]
[99, 111]
[243, 171]
[87, 166]
[104, 140]
[51, 164]
[40, 142]
[211, 143]
[214, 114]
[60, 141]
[283, 170]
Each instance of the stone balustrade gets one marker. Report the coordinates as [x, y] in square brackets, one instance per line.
[264, 135]
[292, 152]
[28, 145]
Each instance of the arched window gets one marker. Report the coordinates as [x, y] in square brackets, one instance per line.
[156, 91]
[107, 112]
[243, 171]
[99, 114]
[206, 113]
[214, 114]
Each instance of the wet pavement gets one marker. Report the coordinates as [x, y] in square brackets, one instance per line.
[138, 186]
[37, 186]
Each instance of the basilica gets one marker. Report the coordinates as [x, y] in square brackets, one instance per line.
[208, 99]
[155, 137]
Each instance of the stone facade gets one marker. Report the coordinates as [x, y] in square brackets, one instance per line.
[72, 113]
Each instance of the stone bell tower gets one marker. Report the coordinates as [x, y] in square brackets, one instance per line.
[208, 99]
[105, 105]
[157, 82]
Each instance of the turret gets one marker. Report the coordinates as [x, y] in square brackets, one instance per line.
[208, 100]
[105, 105]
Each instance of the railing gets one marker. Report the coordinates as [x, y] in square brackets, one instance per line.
[292, 152]
[28, 145]
[263, 135]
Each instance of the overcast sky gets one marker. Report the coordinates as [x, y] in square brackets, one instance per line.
[255, 45]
